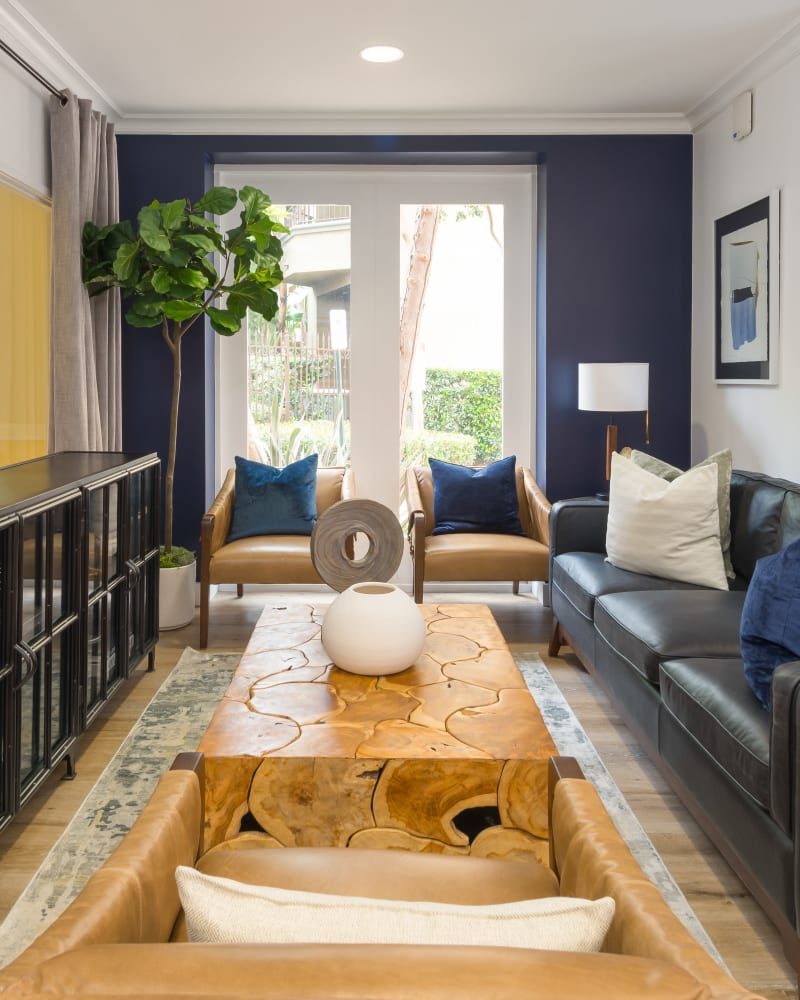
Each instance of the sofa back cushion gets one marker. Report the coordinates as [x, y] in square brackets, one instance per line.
[765, 517]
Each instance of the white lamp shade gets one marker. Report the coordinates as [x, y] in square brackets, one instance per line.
[613, 388]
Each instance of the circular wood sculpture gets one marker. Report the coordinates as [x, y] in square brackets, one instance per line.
[332, 543]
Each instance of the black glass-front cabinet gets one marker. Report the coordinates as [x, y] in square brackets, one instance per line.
[78, 601]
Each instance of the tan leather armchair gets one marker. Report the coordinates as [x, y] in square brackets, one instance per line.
[477, 556]
[260, 558]
[125, 936]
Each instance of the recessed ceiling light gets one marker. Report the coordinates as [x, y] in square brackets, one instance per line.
[381, 53]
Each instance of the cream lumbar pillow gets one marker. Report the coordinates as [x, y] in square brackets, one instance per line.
[667, 529]
[724, 463]
[220, 910]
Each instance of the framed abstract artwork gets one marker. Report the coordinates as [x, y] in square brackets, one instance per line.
[747, 301]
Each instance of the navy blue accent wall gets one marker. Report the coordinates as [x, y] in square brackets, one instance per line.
[614, 219]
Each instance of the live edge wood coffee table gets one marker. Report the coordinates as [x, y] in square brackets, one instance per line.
[449, 756]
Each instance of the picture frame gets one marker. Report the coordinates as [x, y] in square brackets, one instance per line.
[746, 294]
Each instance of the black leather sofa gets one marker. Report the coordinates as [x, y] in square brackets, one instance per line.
[668, 654]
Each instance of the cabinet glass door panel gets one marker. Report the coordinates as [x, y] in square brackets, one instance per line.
[34, 579]
[29, 687]
[135, 541]
[113, 564]
[95, 519]
[113, 611]
[62, 656]
[94, 654]
[61, 542]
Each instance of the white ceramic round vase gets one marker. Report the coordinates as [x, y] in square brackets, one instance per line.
[176, 590]
[373, 629]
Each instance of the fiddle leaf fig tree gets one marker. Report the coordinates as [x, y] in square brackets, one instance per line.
[176, 266]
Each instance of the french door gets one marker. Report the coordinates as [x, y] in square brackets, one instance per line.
[384, 205]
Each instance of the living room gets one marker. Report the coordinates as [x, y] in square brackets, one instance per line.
[626, 206]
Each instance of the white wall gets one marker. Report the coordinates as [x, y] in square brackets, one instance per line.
[24, 128]
[761, 423]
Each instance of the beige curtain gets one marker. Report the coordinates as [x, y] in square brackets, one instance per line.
[85, 383]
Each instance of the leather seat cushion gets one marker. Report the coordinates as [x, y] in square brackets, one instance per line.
[712, 700]
[584, 576]
[646, 628]
[277, 558]
[468, 556]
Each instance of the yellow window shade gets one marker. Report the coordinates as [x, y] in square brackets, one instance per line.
[24, 325]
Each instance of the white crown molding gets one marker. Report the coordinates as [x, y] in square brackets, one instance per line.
[29, 39]
[764, 63]
[403, 124]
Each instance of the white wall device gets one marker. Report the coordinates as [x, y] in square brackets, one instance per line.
[743, 115]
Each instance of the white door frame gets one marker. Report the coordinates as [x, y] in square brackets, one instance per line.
[376, 193]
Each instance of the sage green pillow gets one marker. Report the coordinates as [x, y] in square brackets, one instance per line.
[724, 463]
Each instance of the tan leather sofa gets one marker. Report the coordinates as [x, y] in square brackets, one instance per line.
[467, 556]
[122, 935]
[260, 558]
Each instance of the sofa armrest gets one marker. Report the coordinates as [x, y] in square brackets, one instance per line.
[538, 508]
[578, 525]
[784, 773]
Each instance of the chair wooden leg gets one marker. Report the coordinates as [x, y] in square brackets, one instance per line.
[204, 588]
[515, 586]
[555, 639]
[239, 589]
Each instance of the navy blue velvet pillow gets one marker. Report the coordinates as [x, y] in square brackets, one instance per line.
[480, 500]
[270, 501]
[770, 628]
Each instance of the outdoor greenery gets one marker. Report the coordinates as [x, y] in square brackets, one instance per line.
[176, 265]
[467, 401]
[445, 445]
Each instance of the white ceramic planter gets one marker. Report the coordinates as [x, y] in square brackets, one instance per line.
[373, 629]
[176, 587]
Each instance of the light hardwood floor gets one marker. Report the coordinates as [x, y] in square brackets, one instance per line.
[745, 938]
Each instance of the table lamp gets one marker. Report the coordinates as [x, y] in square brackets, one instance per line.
[613, 388]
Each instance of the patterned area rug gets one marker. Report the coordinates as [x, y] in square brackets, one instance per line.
[176, 719]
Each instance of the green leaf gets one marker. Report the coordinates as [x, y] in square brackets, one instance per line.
[198, 240]
[180, 310]
[217, 200]
[173, 213]
[125, 260]
[201, 220]
[135, 318]
[256, 204]
[150, 227]
[188, 276]
[262, 300]
[162, 280]
[224, 321]
[177, 257]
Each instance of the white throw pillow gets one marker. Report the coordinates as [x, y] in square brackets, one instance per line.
[668, 529]
[220, 910]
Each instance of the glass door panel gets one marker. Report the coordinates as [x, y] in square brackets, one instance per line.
[61, 694]
[451, 343]
[31, 704]
[113, 612]
[299, 363]
[34, 580]
[95, 519]
[114, 531]
[94, 654]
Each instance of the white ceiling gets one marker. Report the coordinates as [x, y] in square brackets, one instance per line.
[464, 58]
